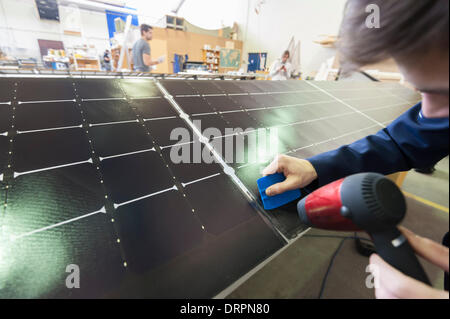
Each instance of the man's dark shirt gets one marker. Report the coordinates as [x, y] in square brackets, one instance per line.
[411, 141]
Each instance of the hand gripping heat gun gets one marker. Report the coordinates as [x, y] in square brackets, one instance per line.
[365, 202]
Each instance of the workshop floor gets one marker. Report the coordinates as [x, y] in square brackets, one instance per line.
[299, 270]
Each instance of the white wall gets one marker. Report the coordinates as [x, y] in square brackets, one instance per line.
[279, 20]
[270, 31]
[207, 14]
[21, 27]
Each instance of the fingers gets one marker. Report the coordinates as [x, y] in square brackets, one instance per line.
[391, 283]
[428, 249]
[273, 167]
[289, 184]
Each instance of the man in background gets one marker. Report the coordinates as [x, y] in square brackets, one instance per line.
[281, 69]
[107, 61]
[142, 57]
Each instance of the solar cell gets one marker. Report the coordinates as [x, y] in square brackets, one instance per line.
[38, 116]
[107, 111]
[253, 147]
[111, 140]
[45, 90]
[240, 119]
[229, 87]
[222, 103]
[268, 118]
[246, 101]
[178, 87]
[381, 101]
[213, 122]
[157, 229]
[140, 88]
[187, 164]
[387, 114]
[46, 198]
[134, 176]
[104, 89]
[4, 143]
[166, 132]
[40, 150]
[154, 108]
[6, 90]
[219, 213]
[205, 87]
[249, 87]
[194, 105]
[265, 100]
[5, 117]
[36, 266]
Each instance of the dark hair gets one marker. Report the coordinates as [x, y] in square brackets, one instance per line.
[145, 28]
[287, 52]
[408, 29]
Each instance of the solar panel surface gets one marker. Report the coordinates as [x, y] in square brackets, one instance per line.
[93, 181]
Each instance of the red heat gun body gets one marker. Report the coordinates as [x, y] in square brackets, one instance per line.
[365, 202]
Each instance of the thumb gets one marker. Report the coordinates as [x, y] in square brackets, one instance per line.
[289, 184]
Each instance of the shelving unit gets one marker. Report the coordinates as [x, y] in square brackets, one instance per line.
[87, 61]
[211, 58]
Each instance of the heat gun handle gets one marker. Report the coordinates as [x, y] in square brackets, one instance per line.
[395, 249]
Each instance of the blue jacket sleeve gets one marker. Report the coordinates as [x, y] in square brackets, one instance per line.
[411, 141]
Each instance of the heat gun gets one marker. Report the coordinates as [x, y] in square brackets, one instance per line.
[365, 202]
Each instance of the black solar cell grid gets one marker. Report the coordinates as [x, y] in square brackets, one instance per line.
[188, 219]
[111, 140]
[241, 120]
[222, 103]
[5, 117]
[154, 108]
[39, 116]
[6, 90]
[178, 87]
[45, 90]
[214, 124]
[157, 229]
[249, 87]
[104, 89]
[187, 163]
[205, 87]
[381, 101]
[140, 88]
[166, 132]
[246, 102]
[4, 146]
[133, 176]
[219, 214]
[41, 261]
[265, 100]
[194, 105]
[229, 87]
[33, 151]
[107, 111]
[387, 114]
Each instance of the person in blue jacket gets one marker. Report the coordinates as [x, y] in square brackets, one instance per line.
[416, 35]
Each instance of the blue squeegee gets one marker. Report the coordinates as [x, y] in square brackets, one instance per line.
[278, 200]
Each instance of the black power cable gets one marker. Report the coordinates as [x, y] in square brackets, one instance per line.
[344, 239]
